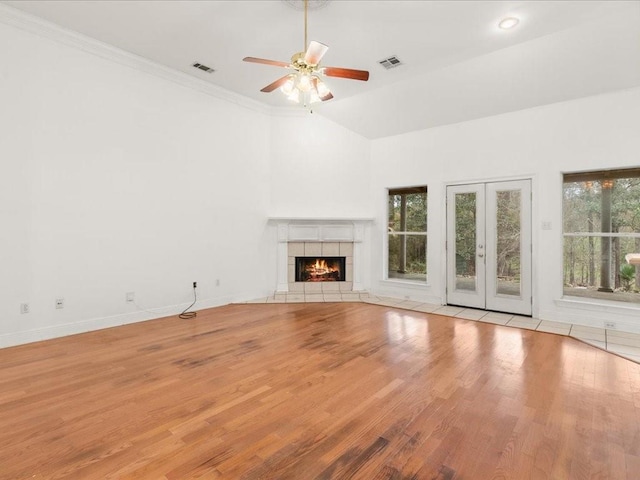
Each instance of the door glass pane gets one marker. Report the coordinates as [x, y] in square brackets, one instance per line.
[465, 241]
[508, 242]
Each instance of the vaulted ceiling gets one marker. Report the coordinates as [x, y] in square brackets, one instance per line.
[457, 64]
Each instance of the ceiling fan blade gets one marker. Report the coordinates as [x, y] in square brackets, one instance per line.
[278, 83]
[264, 61]
[346, 73]
[315, 52]
[328, 96]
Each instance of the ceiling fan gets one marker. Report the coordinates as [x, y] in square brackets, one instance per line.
[304, 85]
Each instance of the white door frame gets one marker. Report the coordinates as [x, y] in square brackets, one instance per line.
[485, 295]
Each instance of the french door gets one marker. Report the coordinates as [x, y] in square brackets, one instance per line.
[489, 246]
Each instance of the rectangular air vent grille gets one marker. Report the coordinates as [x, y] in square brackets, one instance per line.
[390, 62]
[204, 68]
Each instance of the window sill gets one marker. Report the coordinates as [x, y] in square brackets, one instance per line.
[599, 305]
[404, 283]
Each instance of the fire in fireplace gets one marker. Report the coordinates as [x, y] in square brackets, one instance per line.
[320, 269]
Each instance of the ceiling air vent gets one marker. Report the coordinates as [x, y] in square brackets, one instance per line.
[390, 62]
[204, 68]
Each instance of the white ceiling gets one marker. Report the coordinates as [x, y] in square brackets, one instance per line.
[457, 64]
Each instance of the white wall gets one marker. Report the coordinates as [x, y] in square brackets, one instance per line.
[318, 168]
[539, 143]
[113, 180]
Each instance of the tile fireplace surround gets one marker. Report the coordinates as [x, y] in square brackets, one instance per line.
[306, 237]
[319, 249]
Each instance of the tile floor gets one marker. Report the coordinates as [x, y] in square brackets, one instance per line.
[623, 344]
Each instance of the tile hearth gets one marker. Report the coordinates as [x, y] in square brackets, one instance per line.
[623, 344]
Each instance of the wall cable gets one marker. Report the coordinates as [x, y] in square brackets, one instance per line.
[185, 315]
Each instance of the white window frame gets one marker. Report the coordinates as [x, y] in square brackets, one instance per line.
[406, 190]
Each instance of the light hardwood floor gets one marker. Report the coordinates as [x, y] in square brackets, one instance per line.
[317, 391]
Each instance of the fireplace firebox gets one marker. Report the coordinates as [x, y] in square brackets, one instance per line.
[320, 269]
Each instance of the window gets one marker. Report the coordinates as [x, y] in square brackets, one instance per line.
[601, 213]
[407, 234]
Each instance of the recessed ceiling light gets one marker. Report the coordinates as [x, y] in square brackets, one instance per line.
[508, 23]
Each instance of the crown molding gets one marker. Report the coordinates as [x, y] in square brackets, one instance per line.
[32, 24]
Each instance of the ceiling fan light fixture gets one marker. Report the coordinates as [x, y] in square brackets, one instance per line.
[304, 83]
[314, 97]
[289, 85]
[294, 96]
[321, 88]
[302, 87]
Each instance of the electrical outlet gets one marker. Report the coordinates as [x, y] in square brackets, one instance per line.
[130, 296]
[217, 282]
[610, 325]
[24, 308]
[59, 303]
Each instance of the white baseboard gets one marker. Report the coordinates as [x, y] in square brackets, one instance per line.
[594, 314]
[99, 323]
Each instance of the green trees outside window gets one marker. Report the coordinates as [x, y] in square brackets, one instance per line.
[407, 234]
[601, 222]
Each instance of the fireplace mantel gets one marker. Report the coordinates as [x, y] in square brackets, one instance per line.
[320, 230]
